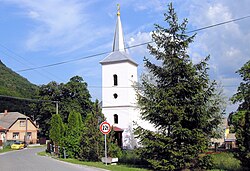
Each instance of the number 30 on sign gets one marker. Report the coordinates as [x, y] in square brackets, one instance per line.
[105, 127]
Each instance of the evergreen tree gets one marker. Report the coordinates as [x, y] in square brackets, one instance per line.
[92, 140]
[178, 99]
[241, 118]
[73, 133]
[56, 131]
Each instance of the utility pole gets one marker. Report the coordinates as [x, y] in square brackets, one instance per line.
[26, 129]
[56, 107]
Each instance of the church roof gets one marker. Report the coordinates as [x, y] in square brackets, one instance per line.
[116, 57]
[119, 54]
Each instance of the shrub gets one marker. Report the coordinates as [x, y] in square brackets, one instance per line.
[226, 161]
[132, 158]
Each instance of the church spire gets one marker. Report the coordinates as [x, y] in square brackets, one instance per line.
[118, 44]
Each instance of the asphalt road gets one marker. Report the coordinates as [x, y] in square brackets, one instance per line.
[28, 160]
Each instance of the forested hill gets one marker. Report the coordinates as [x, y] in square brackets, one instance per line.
[12, 84]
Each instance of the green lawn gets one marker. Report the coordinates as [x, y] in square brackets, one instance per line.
[101, 165]
[5, 149]
[36, 146]
[98, 164]
[226, 161]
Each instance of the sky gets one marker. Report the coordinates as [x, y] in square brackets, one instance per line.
[36, 33]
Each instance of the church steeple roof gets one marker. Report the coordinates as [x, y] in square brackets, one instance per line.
[118, 44]
[119, 54]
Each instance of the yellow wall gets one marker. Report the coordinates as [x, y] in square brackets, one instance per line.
[226, 132]
[16, 127]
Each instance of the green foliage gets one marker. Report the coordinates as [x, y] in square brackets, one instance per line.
[72, 96]
[71, 141]
[241, 118]
[56, 131]
[12, 84]
[205, 162]
[131, 157]
[178, 98]
[92, 140]
[114, 150]
[226, 161]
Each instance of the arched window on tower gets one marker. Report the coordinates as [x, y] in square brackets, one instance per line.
[115, 119]
[115, 80]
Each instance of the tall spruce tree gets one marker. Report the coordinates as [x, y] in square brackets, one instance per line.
[241, 118]
[73, 133]
[178, 99]
[56, 131]
[91, 144]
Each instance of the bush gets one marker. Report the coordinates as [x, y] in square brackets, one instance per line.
[132, 158]
[226, 161]
[114, 151]
[205, 162]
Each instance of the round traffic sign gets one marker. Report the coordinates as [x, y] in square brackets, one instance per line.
[105, 127]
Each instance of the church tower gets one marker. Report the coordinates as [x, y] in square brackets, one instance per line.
[119, 73]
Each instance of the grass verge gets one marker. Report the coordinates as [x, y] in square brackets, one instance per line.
[117, 167]
[5, 149]
[36, 146]
[103, 166]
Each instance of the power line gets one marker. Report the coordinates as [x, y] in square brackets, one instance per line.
[129, 47]
[64, 62]
[93, 86]
[218, 24]
[28, 99]
[15, 54]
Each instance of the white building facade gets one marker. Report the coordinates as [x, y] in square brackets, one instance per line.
[119, 74]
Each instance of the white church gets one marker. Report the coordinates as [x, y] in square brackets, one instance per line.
[119, 73]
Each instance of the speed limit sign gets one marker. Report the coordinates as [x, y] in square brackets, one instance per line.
[105, 127]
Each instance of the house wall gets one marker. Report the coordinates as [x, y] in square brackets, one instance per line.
[21, 129]
[2, 136]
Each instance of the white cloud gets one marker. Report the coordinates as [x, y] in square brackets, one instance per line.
[139, 38]
[58, 24]
[227, 44]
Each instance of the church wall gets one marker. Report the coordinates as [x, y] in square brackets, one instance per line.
[124, 90]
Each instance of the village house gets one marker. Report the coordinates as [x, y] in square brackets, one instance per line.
[227, 139]
[14, 126]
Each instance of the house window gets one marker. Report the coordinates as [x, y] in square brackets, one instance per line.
[15, 135]
[115, 80]
[28, 135]
[115, 118]
[22, 123]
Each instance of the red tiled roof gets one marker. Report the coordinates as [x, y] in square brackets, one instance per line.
[1, 128]
[117, 129]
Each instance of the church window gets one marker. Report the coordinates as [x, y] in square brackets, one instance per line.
[115, 80]
[115, 118]
[115, 95]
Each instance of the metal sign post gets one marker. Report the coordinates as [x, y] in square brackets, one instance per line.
[106, 158]
[105, 129]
